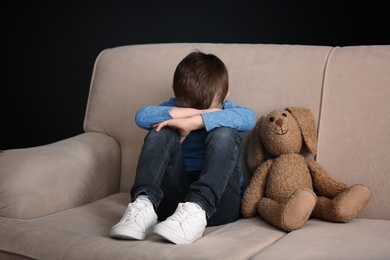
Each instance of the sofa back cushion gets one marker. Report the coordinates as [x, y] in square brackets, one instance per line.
[354, 134]
[262, 77]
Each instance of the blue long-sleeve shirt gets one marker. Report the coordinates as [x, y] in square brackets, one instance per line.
[193, 147]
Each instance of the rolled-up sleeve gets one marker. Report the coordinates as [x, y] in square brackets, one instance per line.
[146, 117]
[241, 118]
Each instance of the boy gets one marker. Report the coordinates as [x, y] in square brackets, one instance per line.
[188, 174]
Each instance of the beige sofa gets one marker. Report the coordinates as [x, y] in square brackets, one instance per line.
[59, 201]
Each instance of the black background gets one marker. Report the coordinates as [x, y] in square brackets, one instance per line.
[48, 48]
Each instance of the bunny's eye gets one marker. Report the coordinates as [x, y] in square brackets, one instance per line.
[271, 119]
[284, 114]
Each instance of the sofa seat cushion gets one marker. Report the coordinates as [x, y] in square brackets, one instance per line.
[83, 233]
[358, 239]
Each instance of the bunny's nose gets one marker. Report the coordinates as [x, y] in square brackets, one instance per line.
[279, 122]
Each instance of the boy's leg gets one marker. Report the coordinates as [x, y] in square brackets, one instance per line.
[228, 208]
[218, 187]
[217, 190]
[159, 173]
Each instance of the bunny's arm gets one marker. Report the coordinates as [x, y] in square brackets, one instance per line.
[323, 184]
[255, 190]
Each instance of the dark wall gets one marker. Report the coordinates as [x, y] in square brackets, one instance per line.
[48, 49]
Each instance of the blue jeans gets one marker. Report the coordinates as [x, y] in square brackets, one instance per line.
[162, 176]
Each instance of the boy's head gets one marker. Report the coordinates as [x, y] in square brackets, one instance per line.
[199, 80]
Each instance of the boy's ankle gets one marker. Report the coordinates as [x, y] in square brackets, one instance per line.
[143, 197]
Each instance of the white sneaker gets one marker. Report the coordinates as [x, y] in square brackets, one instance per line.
[137, 222]
[185, 226]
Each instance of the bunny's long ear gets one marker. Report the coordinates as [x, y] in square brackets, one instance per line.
[307, 125]
[255, 155]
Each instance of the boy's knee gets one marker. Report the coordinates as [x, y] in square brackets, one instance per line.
[223, 136]
[165, 132]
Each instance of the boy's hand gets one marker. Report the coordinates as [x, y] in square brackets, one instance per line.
[183, 125]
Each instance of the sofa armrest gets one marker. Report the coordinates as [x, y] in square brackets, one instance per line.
[47, 179]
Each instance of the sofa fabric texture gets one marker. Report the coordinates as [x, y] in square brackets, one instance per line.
[60, 200]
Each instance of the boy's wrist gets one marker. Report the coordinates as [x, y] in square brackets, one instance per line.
[196, 122]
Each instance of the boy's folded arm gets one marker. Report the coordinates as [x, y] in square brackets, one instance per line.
[240, 118]
[148, 116]
[184, 112]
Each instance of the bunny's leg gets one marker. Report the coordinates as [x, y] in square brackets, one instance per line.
[345, 206]
[290, 215]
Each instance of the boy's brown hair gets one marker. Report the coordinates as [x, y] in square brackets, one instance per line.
[198, 79]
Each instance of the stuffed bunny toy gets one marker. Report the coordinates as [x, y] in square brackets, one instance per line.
[288, 189]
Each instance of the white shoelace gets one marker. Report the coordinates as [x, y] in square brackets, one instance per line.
[184, 213]
[136, 210]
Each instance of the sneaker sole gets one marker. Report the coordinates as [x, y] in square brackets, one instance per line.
[127, 234]
[168, 235]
